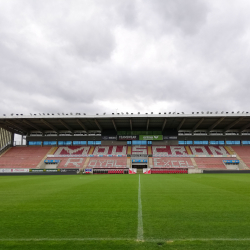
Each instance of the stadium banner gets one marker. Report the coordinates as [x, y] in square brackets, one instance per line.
[109, 138]
[5, 170]
[146, 171]
[75, 170]
[128, 137]
[20, 170]
[132, 170]
[88, 171]
[14, 170]
[139, 161]
[150, 137]
[52, 170]
[36, 170]
[170, 137]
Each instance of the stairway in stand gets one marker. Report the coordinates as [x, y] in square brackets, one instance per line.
[139, 171]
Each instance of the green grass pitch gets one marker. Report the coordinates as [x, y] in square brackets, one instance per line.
[101, 212]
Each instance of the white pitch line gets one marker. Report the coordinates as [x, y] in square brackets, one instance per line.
[140, 222]
[125, 239]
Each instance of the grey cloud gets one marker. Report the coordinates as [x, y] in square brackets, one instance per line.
[96, 56]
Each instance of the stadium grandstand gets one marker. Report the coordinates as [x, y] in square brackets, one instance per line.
[122, 143]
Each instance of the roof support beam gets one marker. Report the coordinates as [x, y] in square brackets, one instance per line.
[10, 129]
[98, 125]
[215, 124]
[131, 124]
[113, 121]
[33, 125]
[164, 124]
[180, 125]
[66, 125]
[244, 127]
[82, 125]
[232, 124]
[198, 124]
[147, 124]
[49, 125]
[17, 126]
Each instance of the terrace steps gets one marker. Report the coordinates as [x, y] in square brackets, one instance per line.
[51, 151]
[242, 165]
[5, 152]
[192, 159]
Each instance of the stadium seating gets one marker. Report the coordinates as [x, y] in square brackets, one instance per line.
[243, 152]
[140, 150]
[172, 162]
[85, 150]
[209, 150]
[210, 163]
[23, 157]
[108, 162]
[72, 150]
[67, 162]
[110, 150]
[110, 171]
[169, 171]
[169, 150]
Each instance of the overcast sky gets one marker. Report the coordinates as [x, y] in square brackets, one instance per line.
[124, 55]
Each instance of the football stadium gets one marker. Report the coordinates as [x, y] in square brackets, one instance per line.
[125, 180]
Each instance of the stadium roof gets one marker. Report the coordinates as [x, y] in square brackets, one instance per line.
[82, 123]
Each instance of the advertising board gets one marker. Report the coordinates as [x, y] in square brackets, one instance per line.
[170, 137]
[128, 137]
[109, 138]
[150, 137]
